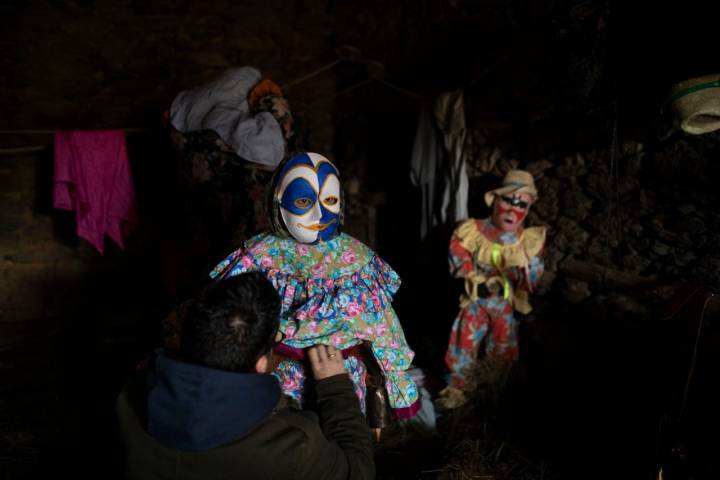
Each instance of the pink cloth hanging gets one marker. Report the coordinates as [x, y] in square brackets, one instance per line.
[92, 177]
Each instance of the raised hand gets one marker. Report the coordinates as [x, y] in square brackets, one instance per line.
[326, 361]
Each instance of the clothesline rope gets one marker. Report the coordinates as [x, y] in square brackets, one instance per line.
[318, 71]
[346, 53]
[351, 54]
[39, 148]
[22, 150]
[52, 132]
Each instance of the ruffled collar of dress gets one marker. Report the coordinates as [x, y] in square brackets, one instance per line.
[342, 255]
[493, 233]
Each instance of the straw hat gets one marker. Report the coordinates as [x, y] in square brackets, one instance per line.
[515, 181]
[696, 103]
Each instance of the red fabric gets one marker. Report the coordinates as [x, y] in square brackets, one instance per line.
[92, 177]
[262, 88]
[407, 412]
[299, 353]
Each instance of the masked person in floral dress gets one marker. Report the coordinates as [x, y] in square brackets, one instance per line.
[501, 263]
[335, 290]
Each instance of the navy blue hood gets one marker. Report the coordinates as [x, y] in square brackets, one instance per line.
[196, 408]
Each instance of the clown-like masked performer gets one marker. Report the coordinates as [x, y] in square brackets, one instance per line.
[501, 263]
[335, 290]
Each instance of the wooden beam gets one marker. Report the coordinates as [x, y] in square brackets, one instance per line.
[603, 276]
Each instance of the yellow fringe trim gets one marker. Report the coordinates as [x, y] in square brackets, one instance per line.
[501, 257]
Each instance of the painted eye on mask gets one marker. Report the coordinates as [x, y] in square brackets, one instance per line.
[330, 193]
[514, 202]
[303, 202]
[298, 196]
[330, 201]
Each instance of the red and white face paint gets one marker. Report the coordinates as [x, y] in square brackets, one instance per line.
[509, 211]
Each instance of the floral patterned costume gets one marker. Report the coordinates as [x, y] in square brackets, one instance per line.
[500, 269]
[334, 292]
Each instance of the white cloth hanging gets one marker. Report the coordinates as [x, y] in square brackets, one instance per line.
[222, 106]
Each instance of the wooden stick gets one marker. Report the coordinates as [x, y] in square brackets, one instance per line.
[599, 275]
[712, 311]
[610, 278]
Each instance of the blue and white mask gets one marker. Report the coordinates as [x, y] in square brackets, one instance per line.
[308, 192]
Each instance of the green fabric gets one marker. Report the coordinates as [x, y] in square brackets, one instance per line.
[498, 267]
[693, 89]
[289, 444]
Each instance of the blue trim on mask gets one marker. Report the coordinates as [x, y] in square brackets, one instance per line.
[326, 169]
[299, 159]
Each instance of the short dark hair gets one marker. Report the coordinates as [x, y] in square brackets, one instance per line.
[232, 324]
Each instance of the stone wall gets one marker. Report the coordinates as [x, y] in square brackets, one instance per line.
[90, 64]
[32, 258]
[106, 64]
[639, 211]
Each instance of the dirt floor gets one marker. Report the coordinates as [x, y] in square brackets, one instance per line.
[586, 401]
[593, 396]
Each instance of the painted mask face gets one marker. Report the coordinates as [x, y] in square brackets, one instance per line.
[509, 211]
[308, 191]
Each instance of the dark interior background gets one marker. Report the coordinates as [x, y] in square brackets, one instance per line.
[543, 79]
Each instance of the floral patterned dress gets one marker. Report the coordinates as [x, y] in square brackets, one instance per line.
[500, 269]
[336, 292]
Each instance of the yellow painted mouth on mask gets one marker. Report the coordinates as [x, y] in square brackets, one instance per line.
[318, 227]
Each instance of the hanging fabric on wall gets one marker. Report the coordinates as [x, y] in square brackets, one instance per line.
[438, 161]
[450, 116]
[428, 157]
[92, 177]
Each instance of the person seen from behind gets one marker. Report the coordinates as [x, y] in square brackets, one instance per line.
[212, 410]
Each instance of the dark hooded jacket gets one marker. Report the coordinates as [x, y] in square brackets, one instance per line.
[183, 421]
